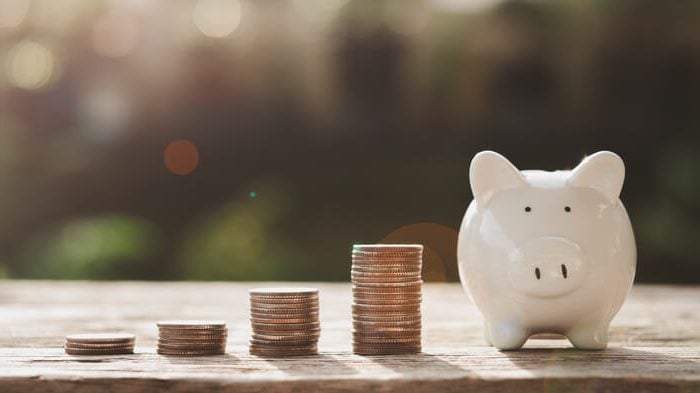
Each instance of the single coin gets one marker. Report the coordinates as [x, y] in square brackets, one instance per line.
[284, 306]
[411, 265]
[357, 270]
[196, 337]
[388, 297]
[211, 330]
[101, 337]
[176, 341]
[393, 324]
[385, 275]
[191, 347]
[386, 318]
[281, 292]
[368, 351]
[169, 352]
[287, 316]
[289, 302]
[105, 346]
[411, 284]
[84, 351]
[386, 340]
[291, 321]
[191, 324]
[386, 307]
[283, 348]
[285, 332]
[288, 311]
[379, 299]
[287, 326]
[386, 279]
[285, 337]
[381, 247]
[280, 343]
[281, 354]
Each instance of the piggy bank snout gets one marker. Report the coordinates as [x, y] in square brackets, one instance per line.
[547, 267]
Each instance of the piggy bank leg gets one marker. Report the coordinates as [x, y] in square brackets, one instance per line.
[590, 335]
[506, 335]
[487, 334]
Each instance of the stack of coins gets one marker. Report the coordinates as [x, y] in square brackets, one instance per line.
[387, 294]
[284, 321]
[192, 338]
[100, 344]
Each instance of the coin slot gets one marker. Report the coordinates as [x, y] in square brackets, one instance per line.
[537, 272]
[563, 271]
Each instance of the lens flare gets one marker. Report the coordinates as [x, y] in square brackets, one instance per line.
[181, 157]
[30, 65]
[217, 18]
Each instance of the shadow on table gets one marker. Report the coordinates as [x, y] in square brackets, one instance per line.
[420, 364]
[321, 364]
[611, 361]
[225, 358]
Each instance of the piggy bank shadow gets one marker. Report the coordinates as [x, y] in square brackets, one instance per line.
[609, 363]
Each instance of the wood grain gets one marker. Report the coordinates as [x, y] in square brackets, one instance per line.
[655, 344]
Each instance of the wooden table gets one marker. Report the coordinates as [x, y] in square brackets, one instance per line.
[655, 345]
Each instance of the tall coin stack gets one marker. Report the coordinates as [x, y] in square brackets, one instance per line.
[100, 344]
[284, 321]
[192, 338]
[387, 294]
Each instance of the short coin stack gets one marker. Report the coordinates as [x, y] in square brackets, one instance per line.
[387, 294]
[100, 344]
[284, 321]
[192, 338]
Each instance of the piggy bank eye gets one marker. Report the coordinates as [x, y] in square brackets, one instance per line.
[567, 209]
[528, 209]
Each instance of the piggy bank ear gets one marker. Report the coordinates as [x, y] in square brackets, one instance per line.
[489, 173]
[603, 171]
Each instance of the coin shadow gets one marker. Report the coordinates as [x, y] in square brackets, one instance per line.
[321, 364]
[225, 358]
[413, 365]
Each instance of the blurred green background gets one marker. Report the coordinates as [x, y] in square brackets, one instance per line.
[258, 140]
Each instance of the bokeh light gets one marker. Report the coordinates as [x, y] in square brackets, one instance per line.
[115, 34]
[181, 157]
[105, 112]
[217, 18]
[30, 65]
[13, 12]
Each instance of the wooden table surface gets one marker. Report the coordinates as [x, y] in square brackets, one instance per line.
[655, 344]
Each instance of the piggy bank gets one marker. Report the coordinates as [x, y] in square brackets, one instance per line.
[547, 252]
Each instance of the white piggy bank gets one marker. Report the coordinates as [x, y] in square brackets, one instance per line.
[547, 252]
